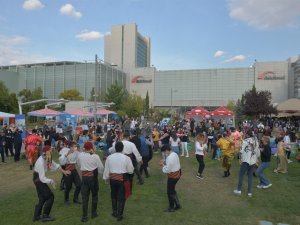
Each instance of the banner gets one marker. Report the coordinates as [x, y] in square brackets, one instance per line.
[20, 124]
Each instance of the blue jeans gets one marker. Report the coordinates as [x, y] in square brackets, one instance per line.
[245, 167]
[175, 149]
[260, 173]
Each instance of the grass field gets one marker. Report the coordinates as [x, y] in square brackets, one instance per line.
[209, 202]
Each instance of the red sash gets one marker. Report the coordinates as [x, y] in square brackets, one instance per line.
[127, 189]
[174, 175]
[116, 176]
[87, 173]
[70, 166]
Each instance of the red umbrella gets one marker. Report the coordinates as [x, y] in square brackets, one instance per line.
[222, 111]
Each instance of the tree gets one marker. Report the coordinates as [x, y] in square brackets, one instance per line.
[28, 96]
[71, 94]
[258, 103]
[239, 110]
[8, 102]
[117, 95]
[134, 105]
[230, 105]
[100, 96]
[146, 110]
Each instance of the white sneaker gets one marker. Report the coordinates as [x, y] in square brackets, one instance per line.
[290, 161]
[259, 186]
[266, 186]
[237, 192]
[187, 156]
[249, 194]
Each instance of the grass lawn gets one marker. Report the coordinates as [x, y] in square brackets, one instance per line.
[209, 202]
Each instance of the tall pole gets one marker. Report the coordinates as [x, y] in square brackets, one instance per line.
[96, 88]
[171, 100]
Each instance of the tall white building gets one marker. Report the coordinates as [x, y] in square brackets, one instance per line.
[126, 47]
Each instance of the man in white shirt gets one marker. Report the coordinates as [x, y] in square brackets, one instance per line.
[171, 166]
[68, 158]
[45, 195]
[132, 152]
[117, 168]
[90, 166]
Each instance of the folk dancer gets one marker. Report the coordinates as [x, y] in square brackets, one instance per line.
[90, 166]
[31, 147]
[117, 168]
[132, 152]
[171, 166]
[45, 195]
[226, 143]
[68, 159]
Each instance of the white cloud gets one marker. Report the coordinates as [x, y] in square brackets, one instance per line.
[89, 35]
[12, 54]
[237, 58]
[32, 5]
[219, 53]
[266, 13]
[69, 10]
[15, 40]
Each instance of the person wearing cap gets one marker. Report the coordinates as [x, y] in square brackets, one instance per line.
[90, 166]
[248, 158]
[31, 147]
[45, 195]
[9, 141]
[68, 158]
[171, 166]
[226, 143]
[117, 168]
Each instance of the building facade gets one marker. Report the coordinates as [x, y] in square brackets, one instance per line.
[56, 77]
[126, 47]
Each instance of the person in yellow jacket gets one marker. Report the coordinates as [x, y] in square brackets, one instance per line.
[226, 144]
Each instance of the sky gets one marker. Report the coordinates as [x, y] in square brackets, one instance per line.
[185, 34]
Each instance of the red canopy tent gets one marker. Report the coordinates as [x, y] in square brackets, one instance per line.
[79, 112]
[45, 112]
[104, 112]
[224, 114]
[222, 111]
[198, 114]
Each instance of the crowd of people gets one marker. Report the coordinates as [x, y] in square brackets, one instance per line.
[129, 145]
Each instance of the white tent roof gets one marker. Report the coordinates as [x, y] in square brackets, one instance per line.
[292, 104]
[3, 114]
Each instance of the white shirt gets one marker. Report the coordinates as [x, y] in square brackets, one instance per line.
[172, 163]
[200, 148]
[249, 151]
[90, 162]
[129, 148]
[174, 143]
[41, 168]
[117, 163]
[67, 159]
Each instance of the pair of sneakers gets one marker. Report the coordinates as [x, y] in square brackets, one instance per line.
[263, 186]
[199, 176]
[238, 192]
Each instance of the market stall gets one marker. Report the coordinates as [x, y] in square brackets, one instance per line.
[198, 114]
[224, 114]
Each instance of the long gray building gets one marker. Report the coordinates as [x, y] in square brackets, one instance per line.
[56, 77]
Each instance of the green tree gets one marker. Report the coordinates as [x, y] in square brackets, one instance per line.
[258, 103]
[146, 110]
[117, 95]
[71, 94]
[28, 96]
[134, 105]
[8, 102]
[230, 105]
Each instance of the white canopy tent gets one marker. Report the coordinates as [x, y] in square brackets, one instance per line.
[6, 115]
